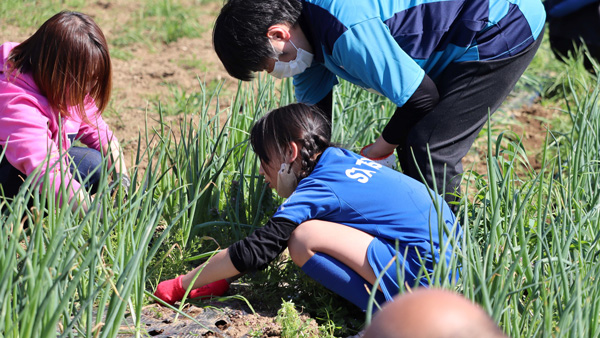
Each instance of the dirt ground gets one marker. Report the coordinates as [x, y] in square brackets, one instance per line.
[145, 76]
[142, 79]
[219, 319]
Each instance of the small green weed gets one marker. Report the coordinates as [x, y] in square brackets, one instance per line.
[292, 326]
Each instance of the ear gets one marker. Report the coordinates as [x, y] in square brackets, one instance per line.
[292, 152]
[279, 32]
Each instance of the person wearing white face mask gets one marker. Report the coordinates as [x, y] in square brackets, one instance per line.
[334, 232]
[445, 64]
[283, 69]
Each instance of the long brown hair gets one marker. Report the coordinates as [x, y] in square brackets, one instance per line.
[68, 59]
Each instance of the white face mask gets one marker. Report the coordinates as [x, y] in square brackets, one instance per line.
[286, 180]
[302, 61]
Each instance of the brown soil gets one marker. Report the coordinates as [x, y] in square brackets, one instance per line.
[140, 81]
[219, 320]
[143, 78]
[529, 123]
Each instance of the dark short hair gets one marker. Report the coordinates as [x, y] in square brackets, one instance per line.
[297, 122]
[68, 59]
[240, 33]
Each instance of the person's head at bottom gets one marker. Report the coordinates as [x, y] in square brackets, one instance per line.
[432, 313]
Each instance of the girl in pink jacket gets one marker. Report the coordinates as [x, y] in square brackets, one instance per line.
[54, 87]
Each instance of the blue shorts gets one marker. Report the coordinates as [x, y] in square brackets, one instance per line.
[405, 265]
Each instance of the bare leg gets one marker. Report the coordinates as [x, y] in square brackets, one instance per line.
[346, 244]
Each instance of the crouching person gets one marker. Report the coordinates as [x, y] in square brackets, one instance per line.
[341, 219]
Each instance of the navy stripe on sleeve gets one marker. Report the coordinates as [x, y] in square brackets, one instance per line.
[325, 28]
[431, 27]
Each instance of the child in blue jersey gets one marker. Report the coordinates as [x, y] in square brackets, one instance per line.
[342, 219]
[445, 64]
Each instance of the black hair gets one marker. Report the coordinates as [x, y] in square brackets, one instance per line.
[240, 33]
[297, 122]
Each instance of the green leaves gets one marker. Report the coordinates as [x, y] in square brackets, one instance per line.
[528, 254]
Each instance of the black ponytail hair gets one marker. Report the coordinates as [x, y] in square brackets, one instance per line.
[297, 122]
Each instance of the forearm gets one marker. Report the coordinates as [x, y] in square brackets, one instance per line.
[396, 131]
[251, 253]
[423, 101]
[115, 156]
[217, 268]
[81, 198]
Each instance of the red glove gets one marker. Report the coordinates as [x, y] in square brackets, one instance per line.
[217, 288]
[172, 290]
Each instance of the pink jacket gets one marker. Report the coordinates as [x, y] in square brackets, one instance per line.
[30, 129]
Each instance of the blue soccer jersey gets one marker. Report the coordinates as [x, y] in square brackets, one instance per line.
[352, 190]
[349, 189]
[388, 46]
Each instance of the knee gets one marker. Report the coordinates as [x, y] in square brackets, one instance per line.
[87, 162]
[299, 243]
[90, 167]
